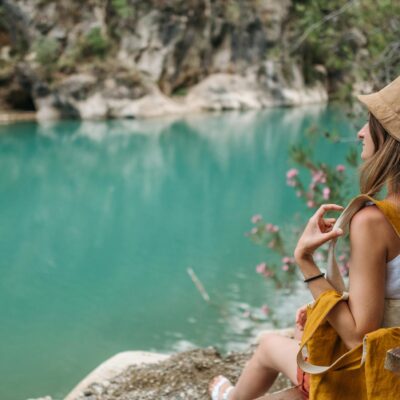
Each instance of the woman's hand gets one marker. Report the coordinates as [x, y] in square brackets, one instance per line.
[317, 232]
[301, 318]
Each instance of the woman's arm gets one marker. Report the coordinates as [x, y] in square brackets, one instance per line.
[364, 310]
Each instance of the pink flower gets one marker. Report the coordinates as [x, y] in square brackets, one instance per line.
[326, 192]
[310, 204]
[256, 218]
[269, 228]
[340, 168]
[342, 257]
[261, 268]
[275, 228]
[268, 273]
[299, 193]
[288, 260]
[290, 177]
[265, 309]
[343, 270]
[292, 173]
[285, 267]
[318, 176]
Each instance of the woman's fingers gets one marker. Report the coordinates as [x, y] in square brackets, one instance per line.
[326, 207]
[301, 314]
[332, 234]
[301, 321]
[328, 221]
[301, 317]
[325, 223]
[318, 231]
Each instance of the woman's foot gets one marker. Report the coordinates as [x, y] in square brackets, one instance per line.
[220, 388]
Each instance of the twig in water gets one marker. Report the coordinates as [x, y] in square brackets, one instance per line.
[198, 285]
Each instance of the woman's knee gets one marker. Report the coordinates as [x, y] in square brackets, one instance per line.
[274, 350]
[268, 341]
[267, 347]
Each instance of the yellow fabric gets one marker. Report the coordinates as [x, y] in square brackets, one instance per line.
[392, 213]
[351, 376]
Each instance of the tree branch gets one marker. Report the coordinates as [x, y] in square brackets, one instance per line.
[316, 25]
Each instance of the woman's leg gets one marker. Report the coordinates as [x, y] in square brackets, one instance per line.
[274, 354]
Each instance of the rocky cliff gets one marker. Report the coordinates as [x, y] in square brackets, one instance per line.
[139, 58]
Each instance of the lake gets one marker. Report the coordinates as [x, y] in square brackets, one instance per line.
[100, 221]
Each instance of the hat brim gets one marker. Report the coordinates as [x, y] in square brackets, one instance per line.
[382, 112]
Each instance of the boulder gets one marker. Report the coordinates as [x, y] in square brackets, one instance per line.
[236, 92]
[111, 368]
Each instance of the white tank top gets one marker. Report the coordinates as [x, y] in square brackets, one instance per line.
[393, 279]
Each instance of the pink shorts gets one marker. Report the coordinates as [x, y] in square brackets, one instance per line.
[303, 380]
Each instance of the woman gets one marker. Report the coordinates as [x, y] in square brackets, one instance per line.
[374, 269]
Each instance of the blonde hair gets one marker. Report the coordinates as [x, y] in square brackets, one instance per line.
[383, 167]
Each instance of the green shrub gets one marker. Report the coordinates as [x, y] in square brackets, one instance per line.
[180, 92]
[122, 8]
[232, 11]
[69, 59]
[47, 50]
[94, 43]
[327, 32]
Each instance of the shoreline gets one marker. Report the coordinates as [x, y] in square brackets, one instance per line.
[16, 116]
[9, 117]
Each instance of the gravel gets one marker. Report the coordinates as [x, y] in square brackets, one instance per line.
[182, 376]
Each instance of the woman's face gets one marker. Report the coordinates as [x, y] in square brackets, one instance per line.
[368, 145]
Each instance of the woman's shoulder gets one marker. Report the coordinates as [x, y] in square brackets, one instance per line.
[370, 220]
[368, 215]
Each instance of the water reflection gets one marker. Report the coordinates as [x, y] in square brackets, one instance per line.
[150, 149]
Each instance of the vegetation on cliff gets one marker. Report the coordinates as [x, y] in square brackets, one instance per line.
[172, 46]
[354, 40]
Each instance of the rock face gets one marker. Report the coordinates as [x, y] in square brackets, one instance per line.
[141, 58]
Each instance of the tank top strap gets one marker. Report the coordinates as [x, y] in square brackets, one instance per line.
[391, 212]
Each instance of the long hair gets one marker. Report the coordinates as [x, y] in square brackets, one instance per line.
[383, 167]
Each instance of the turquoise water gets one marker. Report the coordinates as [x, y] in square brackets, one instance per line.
[100, 221]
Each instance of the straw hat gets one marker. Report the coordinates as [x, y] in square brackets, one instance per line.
[385, 106]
